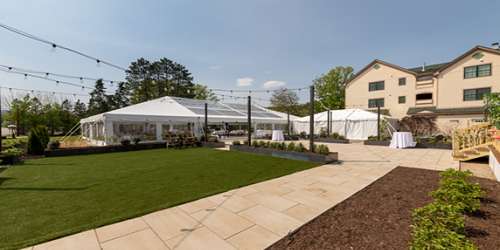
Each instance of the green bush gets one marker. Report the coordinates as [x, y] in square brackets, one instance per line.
[236, 143]
[37, 140]
[282, 146]
[322, 149]
[255, 144]
[300, 148]
[263, 144]
[12, 152]
[455, 189]
[290, 146]
[439, 226]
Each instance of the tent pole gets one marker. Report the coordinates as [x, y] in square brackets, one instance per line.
[328, 122]
[249, 121]
[288, 122]
[206, 122]
[311, 120]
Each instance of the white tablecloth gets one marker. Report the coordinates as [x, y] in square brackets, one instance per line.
[402, 140]
[278, 135]
[259, 133]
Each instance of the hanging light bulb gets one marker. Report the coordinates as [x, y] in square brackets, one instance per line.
[25, 76]
[83, 88]
[54, 46]
[10, 68]
[57, 83]
[81, 79]
[98, 62]
[47, 74]
[111, 83]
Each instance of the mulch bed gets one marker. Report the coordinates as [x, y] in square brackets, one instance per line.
[379, 216]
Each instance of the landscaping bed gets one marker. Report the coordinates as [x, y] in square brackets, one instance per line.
[103, 149]
[379, 216]
[377, 143]
[332, 140]
[303, 156]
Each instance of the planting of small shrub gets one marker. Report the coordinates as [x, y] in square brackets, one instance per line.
[290, 146]
[455, 189]
[440, 224]
[236, 143]
[38, 140]
[322, 149]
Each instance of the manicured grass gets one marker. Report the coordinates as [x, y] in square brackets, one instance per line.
[52, 197]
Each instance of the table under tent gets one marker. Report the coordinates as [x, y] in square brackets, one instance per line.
[353, 124]
[157, 119]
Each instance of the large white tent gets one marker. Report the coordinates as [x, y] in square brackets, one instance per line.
[152, 119]
[354, 124]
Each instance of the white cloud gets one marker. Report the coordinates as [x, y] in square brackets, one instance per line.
[273, 84]
[245, 81]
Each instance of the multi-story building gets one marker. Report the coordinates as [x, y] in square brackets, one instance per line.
[452, 91]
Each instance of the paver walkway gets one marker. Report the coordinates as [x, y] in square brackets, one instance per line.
[255, 216]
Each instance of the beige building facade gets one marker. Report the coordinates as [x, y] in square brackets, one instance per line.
[452, 92]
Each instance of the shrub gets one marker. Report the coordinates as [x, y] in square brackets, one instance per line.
[12, 156]
[335, 135]
[54, 145]
[290, 146]
[263, 144]
[300, 148]
[267, 144]
[245, 142]
[125, 142]
[255, 144]
[236, 143]
[455, 189]
[439, 226]
[282, 146]
[38, 140]
[322, 149]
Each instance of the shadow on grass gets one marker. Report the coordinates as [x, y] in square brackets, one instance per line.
[3, 179]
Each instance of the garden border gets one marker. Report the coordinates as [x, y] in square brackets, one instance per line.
[303, 156]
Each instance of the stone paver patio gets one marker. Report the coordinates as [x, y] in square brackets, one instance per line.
[256, 216]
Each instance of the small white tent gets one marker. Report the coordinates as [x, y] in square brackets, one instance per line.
[354, 124]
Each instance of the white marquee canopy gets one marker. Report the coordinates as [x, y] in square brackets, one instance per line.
[169, 111]
[354, 124]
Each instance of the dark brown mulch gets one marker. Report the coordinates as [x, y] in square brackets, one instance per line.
[379, 216]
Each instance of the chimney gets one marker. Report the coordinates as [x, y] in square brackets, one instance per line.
[495, 45]
[423, 67]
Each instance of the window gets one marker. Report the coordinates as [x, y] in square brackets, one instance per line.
[402, 81]
[475, 94]
[373, 103]
[477, 71]
[423, 96]
[374, 86]
[402, 99]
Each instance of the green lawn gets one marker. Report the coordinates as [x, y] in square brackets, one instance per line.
[51, 197]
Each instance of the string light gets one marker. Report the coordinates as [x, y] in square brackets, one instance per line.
[47, 74]
[42, 91]
[47, 79]
[55, 45]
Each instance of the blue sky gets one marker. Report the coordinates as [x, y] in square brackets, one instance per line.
[284, 43]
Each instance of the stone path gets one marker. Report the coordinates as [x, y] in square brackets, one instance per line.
[255, 216]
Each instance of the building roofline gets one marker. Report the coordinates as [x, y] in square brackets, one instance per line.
[378, 61]
[435, 73]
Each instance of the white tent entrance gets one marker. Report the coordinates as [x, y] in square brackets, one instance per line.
[353, 124]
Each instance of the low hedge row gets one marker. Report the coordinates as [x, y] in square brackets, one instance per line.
[440, 224]
[299, 147]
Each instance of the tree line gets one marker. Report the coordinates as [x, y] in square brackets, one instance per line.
[145, 81]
